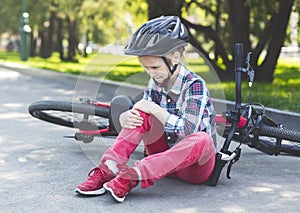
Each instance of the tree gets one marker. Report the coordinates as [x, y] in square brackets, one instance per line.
[10, 19]
[55, 21]
[261, 25]
[165, 7]
[66, 10]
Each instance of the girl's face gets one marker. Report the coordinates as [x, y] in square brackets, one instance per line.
[155, 67]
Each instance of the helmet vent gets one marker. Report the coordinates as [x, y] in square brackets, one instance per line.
[154, 39]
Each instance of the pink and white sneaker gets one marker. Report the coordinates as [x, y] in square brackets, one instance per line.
[123, 183]
[94, 184]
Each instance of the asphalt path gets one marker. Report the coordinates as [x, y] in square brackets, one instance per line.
[39, 168]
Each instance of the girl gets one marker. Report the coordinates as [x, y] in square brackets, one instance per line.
[174, 119]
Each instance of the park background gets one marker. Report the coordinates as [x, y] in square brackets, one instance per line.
[67, 35]
[39, 168]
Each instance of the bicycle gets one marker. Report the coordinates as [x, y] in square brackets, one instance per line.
[246, 123]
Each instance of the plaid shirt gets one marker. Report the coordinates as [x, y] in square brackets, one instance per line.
[188, 103]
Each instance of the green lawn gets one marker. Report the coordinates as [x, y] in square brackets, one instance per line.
[283, 93]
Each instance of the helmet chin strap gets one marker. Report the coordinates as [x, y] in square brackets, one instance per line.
[171, 70]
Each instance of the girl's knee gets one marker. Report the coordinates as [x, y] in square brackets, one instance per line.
[201, 137]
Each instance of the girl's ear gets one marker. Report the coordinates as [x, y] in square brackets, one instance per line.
[176, 57]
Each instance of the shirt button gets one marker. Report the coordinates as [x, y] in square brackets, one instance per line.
[169, 100]
[169, 138]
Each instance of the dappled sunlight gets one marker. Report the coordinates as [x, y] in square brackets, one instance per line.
[2, 159]
[288, 83]
[290, 196]
[294, 81]
[14, 145]
[185, 210]
[12, 105]
[233, 209]
[30, 154]
[4, 74]
[14, 176]
[278, 94]
[41, 155]
[13, 115]
[15, 161]
[264, 187]
[63, 92]
[13, 111]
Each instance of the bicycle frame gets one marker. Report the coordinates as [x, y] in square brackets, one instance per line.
[118, 105]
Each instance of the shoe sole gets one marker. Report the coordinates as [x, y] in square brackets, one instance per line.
[95, 192]
[113, 194]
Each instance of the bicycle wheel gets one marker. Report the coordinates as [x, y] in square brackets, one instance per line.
[78, 115]
[290, 139]
[265, 139]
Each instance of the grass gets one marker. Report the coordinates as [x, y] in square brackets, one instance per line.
[283, 93]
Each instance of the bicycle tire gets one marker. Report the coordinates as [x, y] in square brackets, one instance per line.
[267, 139]
[291, 143]
[69, 114]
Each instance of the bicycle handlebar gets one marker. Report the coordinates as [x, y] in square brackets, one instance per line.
[220, 161]
[238, 67]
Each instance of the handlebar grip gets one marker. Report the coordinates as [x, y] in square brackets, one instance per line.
[239, 55]
[238, 65]
[214, 178]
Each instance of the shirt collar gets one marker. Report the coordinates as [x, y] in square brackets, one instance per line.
[176, 88]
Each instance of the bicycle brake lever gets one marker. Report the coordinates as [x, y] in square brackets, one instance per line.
[233, 161]
[249, 70]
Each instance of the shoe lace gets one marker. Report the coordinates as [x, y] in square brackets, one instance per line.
[127, 173]
[96, 172]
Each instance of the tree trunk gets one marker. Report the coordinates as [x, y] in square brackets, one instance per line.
[217, 27]
[210, 33]
[51, 31]
[239, 30]
[59, 43]
[266, 71]
[72, 41]
[33, 43]
[44, 48]
[238, 22]
[46, 36]
[165, 7]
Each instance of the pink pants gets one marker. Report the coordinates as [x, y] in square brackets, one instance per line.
[192, 159]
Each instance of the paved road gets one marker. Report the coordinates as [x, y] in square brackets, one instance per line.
[39, 169]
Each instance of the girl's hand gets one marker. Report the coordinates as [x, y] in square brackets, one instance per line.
[145, 106]
[153, 109]
[131, 119]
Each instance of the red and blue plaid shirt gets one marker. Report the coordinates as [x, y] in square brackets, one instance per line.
[188, 103]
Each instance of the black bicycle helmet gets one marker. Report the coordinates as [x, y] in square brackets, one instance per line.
[158, 37]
